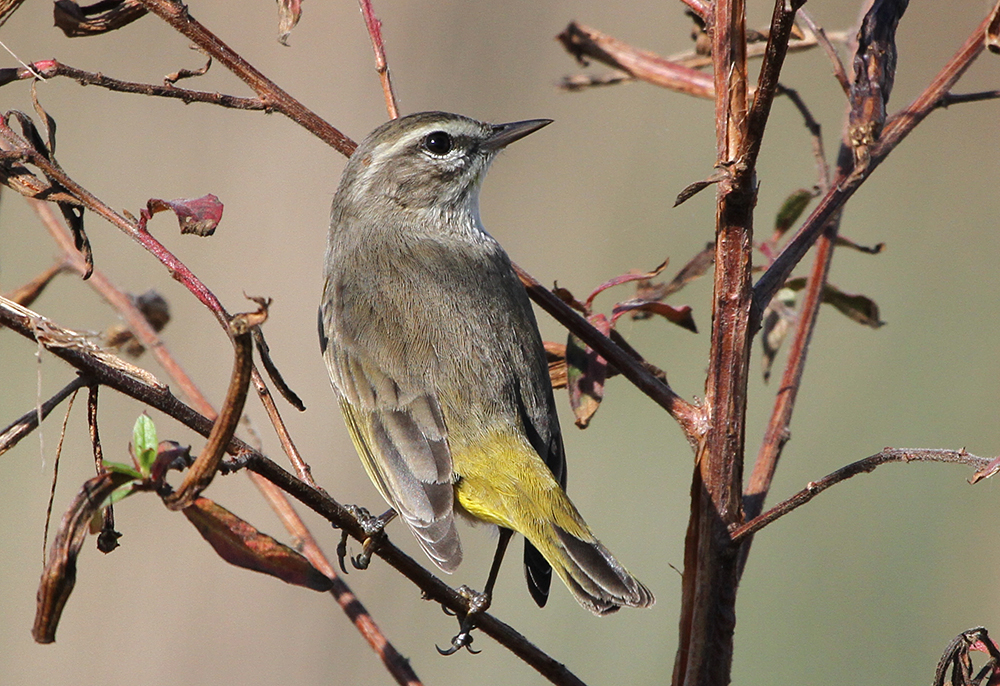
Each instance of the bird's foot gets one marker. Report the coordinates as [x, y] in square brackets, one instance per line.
[374, 529]
[476, 604]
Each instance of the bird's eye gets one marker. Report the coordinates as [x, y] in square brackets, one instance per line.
[438, 142]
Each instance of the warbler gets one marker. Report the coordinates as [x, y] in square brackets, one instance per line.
[435, 356]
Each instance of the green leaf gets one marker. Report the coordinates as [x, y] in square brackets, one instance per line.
[120, 494]
[793, 207]
[123, 469]
[144, 443]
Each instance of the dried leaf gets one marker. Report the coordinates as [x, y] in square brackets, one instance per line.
[181, 74]
[874, 74]
[696, 267]
[240, 544]
[842, 242]
[693, 189]
[26, 294]
[779, 318]
[681, 316]
[289, 13]
[101, 17]
[624, 278]
[586, 372]
[154, 308]
[993, 31]
[859, 308]
[199, 216]
[59, 575]
[955, 666]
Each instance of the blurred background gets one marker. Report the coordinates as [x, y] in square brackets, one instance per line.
[868, 583]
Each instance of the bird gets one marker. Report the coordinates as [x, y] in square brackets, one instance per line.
[435, 356]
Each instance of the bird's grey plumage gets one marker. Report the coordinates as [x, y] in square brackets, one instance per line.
[379, 279]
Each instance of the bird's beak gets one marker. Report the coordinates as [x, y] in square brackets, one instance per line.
[505, 134]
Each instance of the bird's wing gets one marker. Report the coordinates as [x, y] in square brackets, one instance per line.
[403, 443]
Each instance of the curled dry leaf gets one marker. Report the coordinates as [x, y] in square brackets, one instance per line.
[289, 13]
[240, 544]
[59, 575]
[154, 308]
[199, 216]
[101, 17]
[681, 316]
[778, 320]
[874, 75]
[859, 308]
[586, 372]
[993, 31]
[955, 666]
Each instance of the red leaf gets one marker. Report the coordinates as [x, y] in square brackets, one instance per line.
[625, 278]
[195, 215]
[681, 316]
[240, 544]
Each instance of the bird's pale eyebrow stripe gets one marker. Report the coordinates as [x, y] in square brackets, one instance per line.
[408, 139]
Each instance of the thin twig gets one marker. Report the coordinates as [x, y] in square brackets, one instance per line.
[143, 387]
[861, 466]
[374, 27]
[176, 14]
[895, 130]
[688, 416]
[53, 68]
[949, 99]
[28, 422]
[831, 52]
[55, 476]
[815, 132]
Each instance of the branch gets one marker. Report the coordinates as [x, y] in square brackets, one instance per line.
[138, 384]
[29, 421]
[374, 27]
[895, 130]
[48, 69]
[868, 464]
[176, 14]
[688, 416]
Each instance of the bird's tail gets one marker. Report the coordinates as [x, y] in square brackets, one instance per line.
[592, 574]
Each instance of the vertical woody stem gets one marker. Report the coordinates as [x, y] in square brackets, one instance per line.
[704, 655]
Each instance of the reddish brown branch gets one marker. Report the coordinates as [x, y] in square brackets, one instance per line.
[201, 473]
[28, 422]
[176, 14]
[51, 68]
[582, 42]
[866, 465]
[895, 130]
[688, 416]
[140, 385]
[705, 647]
[374, 27]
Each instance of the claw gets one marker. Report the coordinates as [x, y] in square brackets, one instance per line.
[477, 603]
[374, 528]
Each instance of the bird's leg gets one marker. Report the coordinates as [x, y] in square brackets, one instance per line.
[374, 528]
[478, 602]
